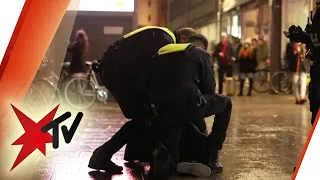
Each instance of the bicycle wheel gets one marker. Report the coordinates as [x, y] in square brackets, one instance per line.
[261, 81]
[34, 101]
[281, 82]
[80, 93]
[50, 92]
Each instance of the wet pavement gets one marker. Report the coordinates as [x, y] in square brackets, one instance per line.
[264, 142]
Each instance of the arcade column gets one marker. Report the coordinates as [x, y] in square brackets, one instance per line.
[275, 38]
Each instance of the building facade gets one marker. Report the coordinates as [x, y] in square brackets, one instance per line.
[103, 27]
[152, 13]
[199, 14]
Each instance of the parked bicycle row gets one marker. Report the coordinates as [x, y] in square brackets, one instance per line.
[78, 90]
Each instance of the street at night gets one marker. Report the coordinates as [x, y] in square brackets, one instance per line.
[264, 141]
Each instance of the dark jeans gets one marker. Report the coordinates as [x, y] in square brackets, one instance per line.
[127, 134]
[114, 74]
[174, 116]
[191, 145]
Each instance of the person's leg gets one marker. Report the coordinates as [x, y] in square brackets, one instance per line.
[242, 80]
[101, 158]
[192, 143]
[201, 125]
[167, 130]
[166, 138]
[295, 87]
[221, 78]
[250, 76]
[303, 87]
[221, 107]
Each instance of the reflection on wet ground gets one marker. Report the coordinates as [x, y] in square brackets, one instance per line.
[265, 138]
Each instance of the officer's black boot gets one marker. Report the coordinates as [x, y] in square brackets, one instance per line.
[162, 165]
[213, 162]
[101, 157]
[101, 160]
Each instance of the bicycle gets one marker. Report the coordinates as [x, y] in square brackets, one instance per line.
[281, 82]
[261, 79]
[34, 100]
[51, 85]
[83, 89]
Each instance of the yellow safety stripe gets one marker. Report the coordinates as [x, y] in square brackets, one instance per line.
[171, 48]
[151, 27]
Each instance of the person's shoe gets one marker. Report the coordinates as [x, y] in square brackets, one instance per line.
[298, 101]
[249, 94]
[240, 94]
[294, 169]
[302, 101]
[99, 161]
[196, 169]
[213, 163]
[162, 165]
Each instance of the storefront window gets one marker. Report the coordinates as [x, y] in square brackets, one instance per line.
[235, 26]
[301, 6]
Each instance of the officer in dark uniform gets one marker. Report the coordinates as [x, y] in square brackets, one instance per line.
[314, 91]
[311, 37]
[182, 89]
[200, 41]
[123, 71]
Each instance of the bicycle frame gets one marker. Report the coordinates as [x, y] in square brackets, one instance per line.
[92, 77]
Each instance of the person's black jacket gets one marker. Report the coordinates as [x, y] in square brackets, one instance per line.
[125, 64]
[248, 63]
[229, 54]
[178, 71]
[140, 45]
[77, 62]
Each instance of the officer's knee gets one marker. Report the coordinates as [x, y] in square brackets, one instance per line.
[228, 102]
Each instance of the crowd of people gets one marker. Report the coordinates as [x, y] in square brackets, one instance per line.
[243, 58]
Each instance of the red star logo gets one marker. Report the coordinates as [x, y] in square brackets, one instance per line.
[33, 138]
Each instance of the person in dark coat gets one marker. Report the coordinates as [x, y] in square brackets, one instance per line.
[247, 60]
[182, 87]
[224, 52]
[79, 50]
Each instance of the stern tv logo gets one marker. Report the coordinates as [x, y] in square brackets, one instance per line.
[36, 134]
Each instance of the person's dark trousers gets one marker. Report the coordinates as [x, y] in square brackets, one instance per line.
[223, 69]
[127, 133]
[221, 107]
[174, 116]
[192, 143]
[241, 86]
[201, 125]
[250, 86]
